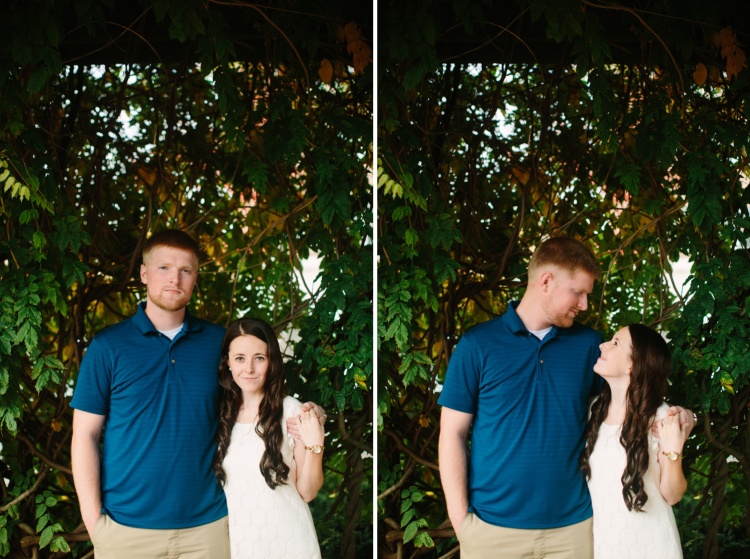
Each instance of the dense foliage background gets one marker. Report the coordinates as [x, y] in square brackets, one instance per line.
[248, 126]
[622, 124]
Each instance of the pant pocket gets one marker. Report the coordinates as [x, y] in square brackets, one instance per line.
[98, 529]
[465, 525]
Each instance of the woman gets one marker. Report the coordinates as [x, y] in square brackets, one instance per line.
[634, 477]
[267, 477]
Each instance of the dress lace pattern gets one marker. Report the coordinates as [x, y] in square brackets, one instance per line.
[266, 523]
[618, 532]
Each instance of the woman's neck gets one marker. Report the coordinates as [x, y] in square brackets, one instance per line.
[618, 405]
[250, 408]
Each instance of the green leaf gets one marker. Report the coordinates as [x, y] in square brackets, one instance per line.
[37, 79]
[423, 539]
[413, 76]
[406, 504]
[46, 536]
[410, 532]
[59, 544]
[4, 543]
[407, 517]
[4, 379]
[42, 522]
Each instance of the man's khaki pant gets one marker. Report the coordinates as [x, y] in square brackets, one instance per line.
[480, 540]
[115, 541]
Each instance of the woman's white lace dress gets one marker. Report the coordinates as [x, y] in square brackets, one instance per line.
[266, 523]
[618, 532]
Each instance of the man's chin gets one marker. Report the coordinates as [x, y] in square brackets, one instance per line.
[564, 322]
[170, 306]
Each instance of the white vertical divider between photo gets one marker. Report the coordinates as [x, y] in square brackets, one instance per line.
[373, 182]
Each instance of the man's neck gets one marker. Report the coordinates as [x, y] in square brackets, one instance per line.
[530, 316]
[162, 319]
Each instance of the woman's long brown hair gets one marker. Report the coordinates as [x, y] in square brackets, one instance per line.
[271, 409]
[648, 385]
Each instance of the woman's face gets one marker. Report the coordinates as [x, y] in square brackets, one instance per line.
[248, 362]
[616, 359]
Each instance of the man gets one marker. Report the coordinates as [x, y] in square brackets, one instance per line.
[524, 381]
[150, 382]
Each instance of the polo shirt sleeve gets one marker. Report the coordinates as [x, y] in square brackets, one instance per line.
[94, 380]
[461, 387]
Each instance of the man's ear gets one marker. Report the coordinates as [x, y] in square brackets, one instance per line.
[144, 276]
[545, 279]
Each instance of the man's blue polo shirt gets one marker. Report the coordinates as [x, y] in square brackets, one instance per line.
[529, 399]
[160, 397]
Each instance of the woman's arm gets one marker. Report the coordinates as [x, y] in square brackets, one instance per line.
[672, 437]
[309, 463]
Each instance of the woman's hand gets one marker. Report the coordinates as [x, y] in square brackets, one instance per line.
[672, 434]
[292, 424]
[308, 456]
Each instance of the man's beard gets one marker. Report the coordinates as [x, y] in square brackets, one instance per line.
[169, 303]
[560, 319]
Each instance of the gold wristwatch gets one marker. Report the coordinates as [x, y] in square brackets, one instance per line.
[316, 448]
[672, 455]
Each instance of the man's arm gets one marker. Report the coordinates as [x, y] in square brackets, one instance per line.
[452, 457]
[84, 452]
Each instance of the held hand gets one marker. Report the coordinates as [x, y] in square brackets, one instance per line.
[320, 412]
[687, 418]
[292, 424]
[457, 517]
[311, 431]
[90, 520]
[673, 434]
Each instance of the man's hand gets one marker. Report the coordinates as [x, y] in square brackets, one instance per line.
[457, 518]
[90, 520]
[688, 420]
[292, 424]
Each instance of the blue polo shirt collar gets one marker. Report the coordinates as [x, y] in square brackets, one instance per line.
[144, 325]
[516, 325]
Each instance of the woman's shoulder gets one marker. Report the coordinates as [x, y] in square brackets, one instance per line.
[661, 411]
[292, 406]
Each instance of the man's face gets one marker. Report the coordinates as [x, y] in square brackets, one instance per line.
[169, 275]
[565, 295]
